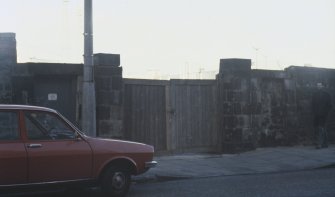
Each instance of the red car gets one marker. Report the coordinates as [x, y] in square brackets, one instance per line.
[38, 146]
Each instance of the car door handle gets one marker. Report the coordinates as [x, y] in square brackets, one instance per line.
[34, 146]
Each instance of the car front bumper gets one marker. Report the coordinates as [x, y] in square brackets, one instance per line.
[150, 164]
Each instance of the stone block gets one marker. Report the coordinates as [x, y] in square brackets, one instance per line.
[237, 108]
[230, 122]
[256, 108]
[278, 111]
[246, 108]
[228, 135]
[107, 71]
[243, 121]
[104, 97]
[227, 85]
[256, 122]
[103, 112]
[237, 84]
[115, 112]
[237, 96]
[103, 83]
[222, 95]
[235, 64]
[237, 135]
[8, 87]
[228, 109]
[230, 96]
[245, 96]
[290, 97]
[109, 83]
[247, 135]
[278, 121]
[110, 128]
[7, 36]
[117, 82]
[104, 59]
[109, 97]
[256, 96]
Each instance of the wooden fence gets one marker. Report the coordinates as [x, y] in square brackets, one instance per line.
[174, 116]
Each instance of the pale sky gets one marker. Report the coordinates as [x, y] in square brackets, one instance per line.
[158, 38]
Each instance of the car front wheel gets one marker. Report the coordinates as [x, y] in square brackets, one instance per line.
[116, 182]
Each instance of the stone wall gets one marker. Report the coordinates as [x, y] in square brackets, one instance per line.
[254, 107]
[305, 80]
[268, 108]
[274, 107]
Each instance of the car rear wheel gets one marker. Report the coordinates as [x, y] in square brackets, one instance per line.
[116, 182]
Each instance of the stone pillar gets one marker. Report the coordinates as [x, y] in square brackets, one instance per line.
[108, 80]
[234, 116]
[7, 61]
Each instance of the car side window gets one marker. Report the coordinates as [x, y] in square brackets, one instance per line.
[9, 128]
[46, 126]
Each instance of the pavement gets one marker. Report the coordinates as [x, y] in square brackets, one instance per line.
[261, 160]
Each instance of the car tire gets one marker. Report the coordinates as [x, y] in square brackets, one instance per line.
[115, 182]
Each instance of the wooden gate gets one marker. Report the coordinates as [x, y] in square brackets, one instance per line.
[193, 117]
[144, 112]
[176, 115]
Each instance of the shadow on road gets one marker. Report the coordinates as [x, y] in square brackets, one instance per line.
[56, 193]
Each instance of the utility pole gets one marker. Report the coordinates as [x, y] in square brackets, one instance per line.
[88, 102]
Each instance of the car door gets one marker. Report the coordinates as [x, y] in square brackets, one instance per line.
[55, 152]
[13, 155]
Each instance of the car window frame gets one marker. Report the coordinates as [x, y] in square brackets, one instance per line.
[26, 137]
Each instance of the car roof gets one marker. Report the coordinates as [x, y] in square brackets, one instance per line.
[26, 107]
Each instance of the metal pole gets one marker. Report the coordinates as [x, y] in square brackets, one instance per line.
[88, 105]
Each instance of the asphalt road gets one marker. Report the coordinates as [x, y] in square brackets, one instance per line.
[294, 184]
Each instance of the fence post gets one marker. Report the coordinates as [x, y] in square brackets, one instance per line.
[169, 116]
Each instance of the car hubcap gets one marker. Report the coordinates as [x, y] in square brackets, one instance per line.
[119, 180]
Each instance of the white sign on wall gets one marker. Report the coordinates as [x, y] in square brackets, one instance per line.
[52, 97]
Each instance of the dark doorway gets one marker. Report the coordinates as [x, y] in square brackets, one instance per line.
[56, 92]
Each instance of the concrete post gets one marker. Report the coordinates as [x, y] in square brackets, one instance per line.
[89, 103]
